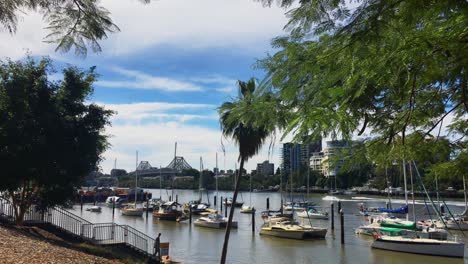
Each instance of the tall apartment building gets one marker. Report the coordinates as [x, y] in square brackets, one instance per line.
[321, 161]
[294, 156]
[265, 168]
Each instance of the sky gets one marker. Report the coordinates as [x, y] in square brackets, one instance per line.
[173, 63]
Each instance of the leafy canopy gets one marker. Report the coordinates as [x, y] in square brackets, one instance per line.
[77, 24]
[50, 137]
[391, 66]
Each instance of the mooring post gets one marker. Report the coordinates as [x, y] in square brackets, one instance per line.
[81, 202]
[442, 209]
[342, 226]
[332, 216]
[147, 208]
[221, 204]
[387, 205]
[170, 198]
[176, 198]
[95, 199]
[113, 208]
[281, 207]
[253, 222]
[339, 207]
[225, 207]
[190, 214]
[268, 203]
[214, 200]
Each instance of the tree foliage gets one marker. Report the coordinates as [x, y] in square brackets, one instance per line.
[77, 24]
[390, 67]
[50, 137]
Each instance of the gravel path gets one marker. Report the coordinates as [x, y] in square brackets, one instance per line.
[19, 248]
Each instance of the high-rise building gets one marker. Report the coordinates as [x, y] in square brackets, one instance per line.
[265, 168]
[294, 156]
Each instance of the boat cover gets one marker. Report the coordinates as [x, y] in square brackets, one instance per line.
[411, 226]
[400, 210]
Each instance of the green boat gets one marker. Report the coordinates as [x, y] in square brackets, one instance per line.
[408, 226]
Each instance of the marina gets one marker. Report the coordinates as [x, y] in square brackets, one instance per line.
[203, 245]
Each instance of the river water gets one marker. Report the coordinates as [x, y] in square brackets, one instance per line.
[194, 244]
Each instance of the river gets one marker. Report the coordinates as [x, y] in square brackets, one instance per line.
[194, 244]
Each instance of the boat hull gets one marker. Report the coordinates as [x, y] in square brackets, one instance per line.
[132, 212]
[319, 233]
[167, 216]
[434, 248]
[312, 215]
[215, 225]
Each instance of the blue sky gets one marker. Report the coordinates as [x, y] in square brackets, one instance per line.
[173, 63]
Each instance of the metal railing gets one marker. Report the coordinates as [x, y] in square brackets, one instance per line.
[99, 233]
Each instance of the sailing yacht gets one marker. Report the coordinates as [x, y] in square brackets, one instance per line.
[248, 209]
[132, 209]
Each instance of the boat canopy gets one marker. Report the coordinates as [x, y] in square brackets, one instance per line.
[400, 210]
[409, 226]
[392, 231]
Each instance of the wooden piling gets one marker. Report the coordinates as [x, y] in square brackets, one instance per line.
[147, 208]
[332, 216]
[170, 198]
[113, 208]
[253, 222]
[225, 207]
[342, 226]
[176, 198]
[221, 204]
[268, 203]
[281, 208]
[81, 202]
[190, 214]
[339, 207]
[214, 200]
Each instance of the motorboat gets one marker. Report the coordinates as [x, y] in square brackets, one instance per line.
[214, 221]
[313, 213]
[417, 245]
[237, 204]
[153, 204]
[297, 206]
[132, 210]
[286, 228]
[197, 207]
[95, 208]
[168, 211]
[115, 201]
[247, 209]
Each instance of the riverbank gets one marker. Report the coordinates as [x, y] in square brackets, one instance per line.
[35, 245]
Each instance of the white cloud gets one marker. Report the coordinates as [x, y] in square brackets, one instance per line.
[136, 112]
[241, 24]
[142, 80]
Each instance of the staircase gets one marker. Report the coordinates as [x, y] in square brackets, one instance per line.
[79, 228]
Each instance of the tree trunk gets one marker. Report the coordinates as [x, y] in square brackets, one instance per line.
[228, 227]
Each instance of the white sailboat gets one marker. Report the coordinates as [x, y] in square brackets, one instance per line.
[415, 244]
[133, 210]
[214, 221]
[248, 209]
[286, 228]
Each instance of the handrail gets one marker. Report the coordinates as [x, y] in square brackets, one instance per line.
[76, 225]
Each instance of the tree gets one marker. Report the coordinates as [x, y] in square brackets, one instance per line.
[50, 137]
[72, 23]
[248, 132]
[387, 66]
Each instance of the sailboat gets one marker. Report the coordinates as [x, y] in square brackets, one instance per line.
[198, 207]
[248, 209]
[133, 210]
[287, 228]
[414, 243]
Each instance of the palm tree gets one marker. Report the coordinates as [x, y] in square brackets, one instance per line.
[237, 122]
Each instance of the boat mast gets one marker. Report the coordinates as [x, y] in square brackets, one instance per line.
[388, 187]
[136, 177]
[437, 192]
[404, 179]
[308, 169]
[412, 190]
[200, 181]
[464, 191]
[250, 199]
[216, 175]
[160, 182]
[173, 167]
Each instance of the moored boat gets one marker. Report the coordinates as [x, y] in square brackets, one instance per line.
[246, 209]
[131, 210]
[168, 211]
[214, 221]
[425, 246]
[313, 213]
[95, 208]
[286, 228]
[116, 201]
